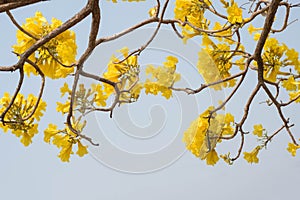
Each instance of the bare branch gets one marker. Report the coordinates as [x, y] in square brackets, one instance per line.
[6, 5]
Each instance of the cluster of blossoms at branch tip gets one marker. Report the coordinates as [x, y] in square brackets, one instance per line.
[85, 100]
[65, 139]
[162, 78]
[193, 12]
[216, 60]
[126, 74]
[50, 57]
[281, 64]
[205, 132]
[235, 13]
[22, 117]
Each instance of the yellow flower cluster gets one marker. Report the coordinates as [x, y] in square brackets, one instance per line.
[204, 132]
[193, 12]
[278, 60]
[235, 14]
[65, 139]
[214, 63]
[60, 50]
[125, 73]
[162, 78]
[273, 53]
[16, 117]
[84, 99]
[276, 57]
[84, 102]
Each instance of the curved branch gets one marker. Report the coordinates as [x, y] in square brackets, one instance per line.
[6, 5]
[40, 92]
[2, 116]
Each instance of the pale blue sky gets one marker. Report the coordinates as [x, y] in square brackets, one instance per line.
[36, 173]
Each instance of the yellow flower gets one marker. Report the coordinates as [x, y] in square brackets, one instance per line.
[60, 140]
[212, 158]
[82, 150]
[63, 108]
[234, 13]
[100, 97]
[252, 156]
[293, 56]
[26, 138]
[227, 128]
[66, 152]
[152, 12]
[62, 48]
[295, 95]
[292, 148]
[258, 130]
[290, 84]
[252, 29]
[50, 132]
[65, 89]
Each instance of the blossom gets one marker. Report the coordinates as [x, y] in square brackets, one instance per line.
[212, 157]
[292, 148]
[66, 152]
[99, 97]
[65, 89]
[50, 132]
[63, 107]
[251, 157]
[258, 130]
[82, 150]
[290, 84]
[152, 11]
[60, 50]
[295, 96]
[252, 29]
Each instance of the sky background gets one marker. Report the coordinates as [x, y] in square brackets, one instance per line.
[35, 172]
